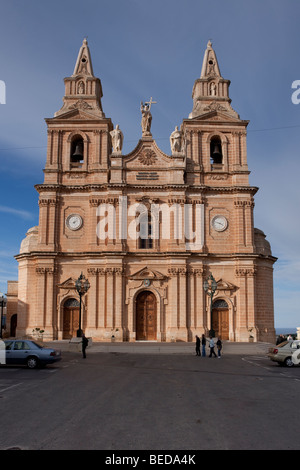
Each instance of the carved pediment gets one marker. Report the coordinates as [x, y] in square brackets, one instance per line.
[146, 155]
[79, 110]
[147, 273]
[225, 285]
[68, 284]
[217, 114]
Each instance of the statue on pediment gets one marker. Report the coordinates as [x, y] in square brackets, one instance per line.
[146, 118]
[176, 141]
[117, 139]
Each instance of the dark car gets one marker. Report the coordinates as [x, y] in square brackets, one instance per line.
[29, 353]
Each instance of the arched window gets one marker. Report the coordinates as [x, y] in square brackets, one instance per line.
[71, 303]
[145, 239]
[220, 303]
[76, 152]
[216, 156]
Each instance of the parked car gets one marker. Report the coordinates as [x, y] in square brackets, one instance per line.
[29, 353]
[282, 353]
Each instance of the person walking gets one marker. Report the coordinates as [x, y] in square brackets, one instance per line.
[198, 346]
[212, 347]
[85, 343]
[203, 342]
[219, 346]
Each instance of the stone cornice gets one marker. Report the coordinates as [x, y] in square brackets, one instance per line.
[208, 257]
[108, 186]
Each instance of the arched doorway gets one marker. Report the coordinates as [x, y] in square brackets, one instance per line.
[146, 317]
[13, 324]
[70, 318]
[220, 318]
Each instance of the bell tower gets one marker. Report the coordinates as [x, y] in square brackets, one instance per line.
[216, 167]
[77, 157]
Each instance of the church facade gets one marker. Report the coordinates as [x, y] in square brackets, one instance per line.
[165, 242]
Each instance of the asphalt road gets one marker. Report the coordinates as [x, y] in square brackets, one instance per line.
[120, 401]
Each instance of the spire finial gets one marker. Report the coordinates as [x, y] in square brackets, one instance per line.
[84, 62]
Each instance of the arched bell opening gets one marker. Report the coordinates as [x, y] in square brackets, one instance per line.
[77, 151]
[216, 155]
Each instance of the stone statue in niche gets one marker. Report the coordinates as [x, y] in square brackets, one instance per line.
[80, 88]
[117, 139]
[176, 141]
[213, 89]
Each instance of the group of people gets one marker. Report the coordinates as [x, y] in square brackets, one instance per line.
[211, 343]
[282, 338]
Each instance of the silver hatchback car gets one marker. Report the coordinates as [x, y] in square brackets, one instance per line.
[282, 353]
[30, 353]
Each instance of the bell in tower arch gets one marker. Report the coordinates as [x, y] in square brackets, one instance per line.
[216, 151]
[77, 151]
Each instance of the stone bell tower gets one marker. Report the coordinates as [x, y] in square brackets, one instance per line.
[77, 164]
[238, 255]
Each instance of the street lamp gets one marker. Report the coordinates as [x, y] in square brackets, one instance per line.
[82, 286]
[3, 303]
[210, 287]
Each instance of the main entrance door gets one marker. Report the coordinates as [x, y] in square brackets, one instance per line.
[146, 322]
[220, 319]
[70, 318]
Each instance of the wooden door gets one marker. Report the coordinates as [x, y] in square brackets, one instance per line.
[220, 322]
[146, 322]
[70, 319]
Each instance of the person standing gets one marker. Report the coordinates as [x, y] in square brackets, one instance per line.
[198, 346]
[203, 342]
[85, 343]
[212, 347]
[219, 346]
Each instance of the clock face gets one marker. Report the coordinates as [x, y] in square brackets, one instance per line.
[219, 223]
[74, 222]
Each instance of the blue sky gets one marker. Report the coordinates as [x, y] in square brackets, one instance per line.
[141, 49]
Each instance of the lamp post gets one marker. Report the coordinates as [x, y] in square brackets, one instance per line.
[210, 287]
[3, 302]
[82, 286]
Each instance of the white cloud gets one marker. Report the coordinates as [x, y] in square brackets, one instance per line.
[17, 212]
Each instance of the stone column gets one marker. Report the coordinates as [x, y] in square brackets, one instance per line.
[101, 300]
[92, 307]
[119, 303]
[94, 241]
[172, 324]
[182, 319]
[109, 322]
[191, 304]
[39, 319]
[51, 223]
[239, 225]
[249, 225]
[43, 217]
[50, 313]
[242, 306]
[200, 312]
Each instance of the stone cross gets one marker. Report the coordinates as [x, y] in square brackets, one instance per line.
[150, 102]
